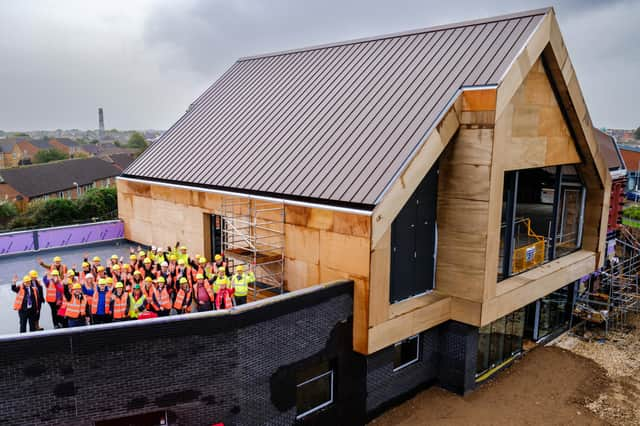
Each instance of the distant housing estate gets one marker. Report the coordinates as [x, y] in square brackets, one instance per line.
[17, 151]
[60, 179]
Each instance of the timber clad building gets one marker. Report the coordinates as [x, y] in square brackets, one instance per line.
[449, 175]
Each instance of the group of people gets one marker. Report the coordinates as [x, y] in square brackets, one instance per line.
[151, 284]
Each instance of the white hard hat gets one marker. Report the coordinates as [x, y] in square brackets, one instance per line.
[164, 264]
[88, 276]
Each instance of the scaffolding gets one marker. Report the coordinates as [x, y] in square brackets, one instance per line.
[611, 294]
[253, 234]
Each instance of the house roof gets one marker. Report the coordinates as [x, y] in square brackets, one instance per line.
[333, 123]
[40, 179]
[67, 142]
[6, 145]
[40, 143]
[609, 150]
[122, 160]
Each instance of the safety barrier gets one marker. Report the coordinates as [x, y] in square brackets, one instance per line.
[62, 236]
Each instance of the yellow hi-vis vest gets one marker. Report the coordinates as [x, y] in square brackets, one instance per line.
[134, 305]
[218, 281]
[240, 285]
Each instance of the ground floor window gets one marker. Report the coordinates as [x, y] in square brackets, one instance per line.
[314, 390]
[406, 353]
[500, 340]
[554, 312]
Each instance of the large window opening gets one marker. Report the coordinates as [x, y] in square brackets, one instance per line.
[542, 216]
[500, 340]
[314, 389]
[406, 353]
[413, 242]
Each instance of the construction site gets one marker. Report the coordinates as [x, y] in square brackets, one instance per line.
[425, 213]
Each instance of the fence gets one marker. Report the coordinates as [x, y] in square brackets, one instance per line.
[62, 236]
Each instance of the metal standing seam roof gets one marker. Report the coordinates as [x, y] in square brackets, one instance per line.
[333, 123]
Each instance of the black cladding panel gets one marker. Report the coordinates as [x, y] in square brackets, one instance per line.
[413, 241]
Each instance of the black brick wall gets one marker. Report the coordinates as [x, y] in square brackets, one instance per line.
[447, 357]
[234, 368]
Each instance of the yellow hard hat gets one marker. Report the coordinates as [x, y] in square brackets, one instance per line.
[202, 260]
[172, 257]
[183, 280]
[100, 268]
[96, 259]
[183, 247]
[70, 273]
[136, 272]
[161, 280]
[239, 268]
[114, 257]
[85, 264]
[133, 257]
[146, 260]
[77, 286]
[180, 261]
[109, 280]
[102, 281]
[55, 273]
[26, 279]
[127, 266]
[141, 254]
[116, 267]
[33, 273]
[57, 259]
[119, 285]
[148, 279]
[199, 277]
[221, 269]
[217, 257]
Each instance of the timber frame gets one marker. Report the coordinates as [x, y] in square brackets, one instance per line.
[476, 142]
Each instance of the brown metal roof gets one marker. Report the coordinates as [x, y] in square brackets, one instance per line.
[609, 150]
[333, 123]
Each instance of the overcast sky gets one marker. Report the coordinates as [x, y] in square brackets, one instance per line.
[145, 61]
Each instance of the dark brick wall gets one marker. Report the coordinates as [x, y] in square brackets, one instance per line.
[234, 368]
[447, 357]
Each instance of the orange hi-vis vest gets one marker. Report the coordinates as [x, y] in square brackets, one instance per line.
[107, 304]
[75, 307]
[17, 305]
[51, 292]
[160, 298]
[120, 305]
[180, 297]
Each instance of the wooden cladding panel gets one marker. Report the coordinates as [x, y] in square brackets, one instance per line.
[540, 135]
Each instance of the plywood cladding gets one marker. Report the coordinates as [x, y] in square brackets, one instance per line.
[539, 134]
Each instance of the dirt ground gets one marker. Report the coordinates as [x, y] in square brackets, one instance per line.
[548, 386]
[570, 382]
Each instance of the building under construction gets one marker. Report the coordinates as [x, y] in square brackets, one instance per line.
[418, 208]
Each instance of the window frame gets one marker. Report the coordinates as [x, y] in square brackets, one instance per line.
[410, 362]
[511, 184]
[319, 407]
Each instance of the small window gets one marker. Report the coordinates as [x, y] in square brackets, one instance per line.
[314, 390]
[406, 353]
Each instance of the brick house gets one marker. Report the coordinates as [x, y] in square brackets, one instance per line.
[58, 179]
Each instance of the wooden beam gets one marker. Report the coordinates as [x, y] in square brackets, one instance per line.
[408, 181]
[519, 291]
[412, 323]
[380, 270]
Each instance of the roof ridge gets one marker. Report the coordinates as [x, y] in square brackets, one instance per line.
[461, 24]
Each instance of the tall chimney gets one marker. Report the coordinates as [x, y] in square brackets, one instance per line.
[100, 125]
